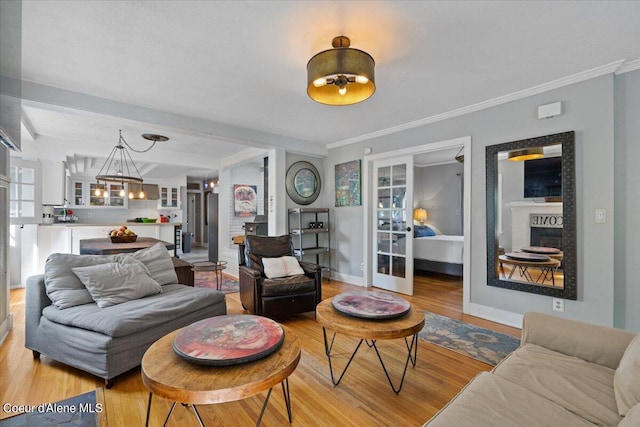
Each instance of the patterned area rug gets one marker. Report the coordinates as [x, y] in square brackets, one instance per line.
[85, 410]
[207, 279]
[481, 344]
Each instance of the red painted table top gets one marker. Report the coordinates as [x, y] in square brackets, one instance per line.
[541, 250]
[371, 305]
[228, 340]
[525, 256]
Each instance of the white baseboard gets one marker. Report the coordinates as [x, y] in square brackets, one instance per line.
[5, 327]
[347, 278]
[495, 315]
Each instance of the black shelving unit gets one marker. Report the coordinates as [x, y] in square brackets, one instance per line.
[309, 229]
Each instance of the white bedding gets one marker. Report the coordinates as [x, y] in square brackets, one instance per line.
[442, 248]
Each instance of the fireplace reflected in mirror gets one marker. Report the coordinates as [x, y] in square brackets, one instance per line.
[531, 215]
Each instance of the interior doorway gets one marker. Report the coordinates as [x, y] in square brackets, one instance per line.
[448, 148]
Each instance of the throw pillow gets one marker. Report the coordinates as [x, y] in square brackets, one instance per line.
[158, 262]
[114, 283]
[423, 231]
[632, 419]
[63, 287]
[625, 381]
[281, 267]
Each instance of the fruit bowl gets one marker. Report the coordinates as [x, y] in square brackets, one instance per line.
[124, 239]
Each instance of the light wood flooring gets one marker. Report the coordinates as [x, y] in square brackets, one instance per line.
[363, 398]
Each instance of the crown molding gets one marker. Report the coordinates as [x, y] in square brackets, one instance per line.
[612, 67]
[629, 66]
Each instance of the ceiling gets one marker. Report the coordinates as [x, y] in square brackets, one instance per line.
[219, 77]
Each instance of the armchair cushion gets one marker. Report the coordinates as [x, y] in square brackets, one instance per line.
[288, 285]
[281, 267]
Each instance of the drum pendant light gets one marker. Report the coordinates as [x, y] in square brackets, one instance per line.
[342, 75]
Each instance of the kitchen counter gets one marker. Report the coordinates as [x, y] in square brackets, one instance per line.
[111, 224]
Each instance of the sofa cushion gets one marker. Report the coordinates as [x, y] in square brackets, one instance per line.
[490, 401]
[281, 267]
[299, 284]
[632, 419]
[157, 260]
[114, 283]
[136, 315]
[64, 288]
[582, 387]
[626, 381]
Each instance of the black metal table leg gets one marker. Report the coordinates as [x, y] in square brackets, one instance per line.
[146, 423]
[327, 349]
[410, 357]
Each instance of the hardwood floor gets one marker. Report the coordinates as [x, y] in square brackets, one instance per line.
[362, 398]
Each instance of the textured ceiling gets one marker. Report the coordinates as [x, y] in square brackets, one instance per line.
[238, 68]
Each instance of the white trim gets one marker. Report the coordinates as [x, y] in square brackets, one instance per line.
[545, 87]
[348, 278]
[629, 66]
[496, 315]
[5, 326]
[465, 142]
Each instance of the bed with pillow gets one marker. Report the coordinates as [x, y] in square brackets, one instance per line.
[100, 313]
[437, 252]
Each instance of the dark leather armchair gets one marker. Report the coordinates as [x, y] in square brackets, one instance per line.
[279, 296]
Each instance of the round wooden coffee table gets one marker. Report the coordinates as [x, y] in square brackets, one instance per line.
[547, 268]
[370, 330]
[166, 374]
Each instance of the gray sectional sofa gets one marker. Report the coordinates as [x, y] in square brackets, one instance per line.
[109, 337]
[565, 373]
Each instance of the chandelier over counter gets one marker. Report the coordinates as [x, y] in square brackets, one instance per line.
[342, 75]
[120, 168]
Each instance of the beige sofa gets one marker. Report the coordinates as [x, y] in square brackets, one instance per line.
[565, 373]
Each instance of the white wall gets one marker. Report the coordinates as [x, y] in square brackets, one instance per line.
[589, 111]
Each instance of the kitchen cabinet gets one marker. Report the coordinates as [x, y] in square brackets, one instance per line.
[52, 239]
[53, 183]
[83, 194]
[169, 197]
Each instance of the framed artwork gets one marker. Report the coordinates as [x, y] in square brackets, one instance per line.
[303, 183]
[348, 184]
[245, 199]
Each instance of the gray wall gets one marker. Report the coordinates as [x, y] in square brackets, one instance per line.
[627, 201]
[438, 189]
[589, 111]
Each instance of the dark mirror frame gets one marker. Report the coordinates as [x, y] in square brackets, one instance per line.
[567, 140]
[290, 183]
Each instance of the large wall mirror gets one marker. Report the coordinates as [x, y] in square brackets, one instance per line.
[531, 215]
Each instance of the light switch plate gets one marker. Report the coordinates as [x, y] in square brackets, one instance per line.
[601, 216]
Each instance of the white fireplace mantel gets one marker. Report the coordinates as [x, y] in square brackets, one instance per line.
[520, 213]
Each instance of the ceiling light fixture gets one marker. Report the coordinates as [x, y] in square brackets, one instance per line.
[119, 166]
[342, 75]
[526, 154]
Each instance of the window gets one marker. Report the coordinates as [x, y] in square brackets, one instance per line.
[22, 194]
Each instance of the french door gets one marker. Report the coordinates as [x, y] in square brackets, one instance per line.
[393, 224]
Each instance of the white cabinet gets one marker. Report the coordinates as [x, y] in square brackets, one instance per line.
[53, 183]
[52, 239]
[83, 194]
[169, 197]
[87, 232]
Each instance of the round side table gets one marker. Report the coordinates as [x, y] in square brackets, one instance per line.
[215, 266]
